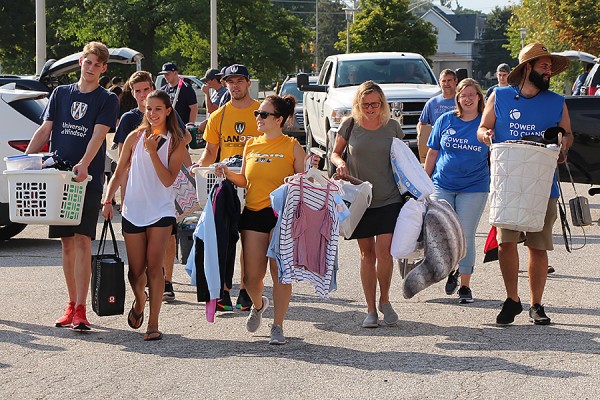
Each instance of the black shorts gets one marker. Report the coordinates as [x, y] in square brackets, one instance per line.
[128, 227]
[89, 218]
[377, 221]
[260, 221]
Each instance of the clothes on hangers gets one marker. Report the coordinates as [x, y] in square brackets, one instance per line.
[316, 198]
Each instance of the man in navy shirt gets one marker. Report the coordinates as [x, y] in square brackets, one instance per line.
[76, 121]
[184, 98]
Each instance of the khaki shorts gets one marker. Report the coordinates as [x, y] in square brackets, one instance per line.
[536, 240]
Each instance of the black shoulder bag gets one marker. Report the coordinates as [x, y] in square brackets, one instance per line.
[108, 277]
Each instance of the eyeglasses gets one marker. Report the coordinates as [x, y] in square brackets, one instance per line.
[467, 96]
[264, 114]
[374, 105]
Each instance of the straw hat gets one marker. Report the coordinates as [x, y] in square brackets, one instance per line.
[531, 52]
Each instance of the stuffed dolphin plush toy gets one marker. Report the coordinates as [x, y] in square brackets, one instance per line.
[444, 246]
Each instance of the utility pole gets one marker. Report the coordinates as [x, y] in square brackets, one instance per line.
[40, 35]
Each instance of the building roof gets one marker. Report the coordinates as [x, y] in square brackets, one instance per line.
[468, 26]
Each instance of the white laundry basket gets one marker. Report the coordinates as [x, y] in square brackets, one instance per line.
[521, 179]
[45, 197]
[206, 179]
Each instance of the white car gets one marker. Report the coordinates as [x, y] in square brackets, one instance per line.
[20, 113]
[194, 81]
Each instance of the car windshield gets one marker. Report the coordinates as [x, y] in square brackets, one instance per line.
[290, 87]
[351, 73]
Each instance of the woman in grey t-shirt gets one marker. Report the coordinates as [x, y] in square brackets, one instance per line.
[368, 137]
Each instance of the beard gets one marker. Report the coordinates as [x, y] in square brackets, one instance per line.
[538, 81]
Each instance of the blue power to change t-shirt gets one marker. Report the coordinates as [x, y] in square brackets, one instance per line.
[74, 115]
[462, 162]
[435, 107]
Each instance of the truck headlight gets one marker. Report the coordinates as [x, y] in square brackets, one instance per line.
[338, 114]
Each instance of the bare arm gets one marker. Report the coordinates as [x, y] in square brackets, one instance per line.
[119, 176]
[336, 155]
[168, 174]
[98, 137]
[565, 123]
[485, 132]
[209, 156]
[430, 161]
[193, 113]
[238, 179]
[210, 106]
[40, 138]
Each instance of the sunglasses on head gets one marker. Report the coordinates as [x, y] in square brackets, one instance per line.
[264, 114]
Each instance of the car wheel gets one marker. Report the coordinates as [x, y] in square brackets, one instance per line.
[10, 230]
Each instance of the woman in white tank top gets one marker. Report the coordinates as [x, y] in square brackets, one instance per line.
[151, 157]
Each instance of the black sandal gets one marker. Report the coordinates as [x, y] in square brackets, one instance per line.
[148, 336]
[138, 318]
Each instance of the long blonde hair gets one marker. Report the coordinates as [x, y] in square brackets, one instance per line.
[364, 89]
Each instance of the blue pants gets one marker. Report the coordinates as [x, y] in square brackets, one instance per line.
[469, 207]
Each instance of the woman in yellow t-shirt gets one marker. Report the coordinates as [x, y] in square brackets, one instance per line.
[268, 159]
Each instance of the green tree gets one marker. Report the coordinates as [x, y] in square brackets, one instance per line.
[577, 23]
[493, 50]
[387, 25]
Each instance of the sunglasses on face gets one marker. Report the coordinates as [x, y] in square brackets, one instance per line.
[264, 114]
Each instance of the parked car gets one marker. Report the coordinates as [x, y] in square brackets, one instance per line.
[191, 80]
[295, 126]
[21, 109]
[592, 82]
[54, 73]
[20, 113]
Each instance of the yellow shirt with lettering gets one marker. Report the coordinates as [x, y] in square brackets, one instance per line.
[231, 127]
[268, 162]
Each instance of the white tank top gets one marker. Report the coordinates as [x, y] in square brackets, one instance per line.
[147, 200]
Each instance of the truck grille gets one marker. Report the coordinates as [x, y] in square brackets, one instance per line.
[407, 113]
[300, 120]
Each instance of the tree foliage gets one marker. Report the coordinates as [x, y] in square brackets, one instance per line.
[494, 40]
[387, 25]
[560, 25]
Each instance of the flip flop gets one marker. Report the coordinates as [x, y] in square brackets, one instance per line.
[138, 318]
[148, 336]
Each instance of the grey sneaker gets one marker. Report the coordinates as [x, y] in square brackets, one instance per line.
[277, 335]
[390, 317]
[255, 317]
[372, 320]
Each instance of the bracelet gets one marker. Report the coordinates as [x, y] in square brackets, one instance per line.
[107, 203]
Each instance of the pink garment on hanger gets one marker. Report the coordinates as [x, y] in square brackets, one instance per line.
[311, 231]
[211, 309]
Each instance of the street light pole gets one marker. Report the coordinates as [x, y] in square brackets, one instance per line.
[40, 35]
[316, 35]
[522, 32]
[214, 59]
[349, 19]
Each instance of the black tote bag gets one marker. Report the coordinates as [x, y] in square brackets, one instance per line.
[108, 277]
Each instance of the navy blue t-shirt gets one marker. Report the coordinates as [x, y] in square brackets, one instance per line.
[130, 121]
[186, 98]
[74, 115]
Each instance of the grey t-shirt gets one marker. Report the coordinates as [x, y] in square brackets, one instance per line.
[369, 159]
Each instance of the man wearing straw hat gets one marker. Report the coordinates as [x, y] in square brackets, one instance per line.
[527, 107]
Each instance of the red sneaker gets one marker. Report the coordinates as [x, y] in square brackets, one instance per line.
[80, 322]
[67, 318]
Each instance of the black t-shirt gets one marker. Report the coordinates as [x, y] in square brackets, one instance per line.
[186, 98]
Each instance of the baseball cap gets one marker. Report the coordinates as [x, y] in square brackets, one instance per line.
[168, 67]
[211, 73]
[503, 68]
[236, 69]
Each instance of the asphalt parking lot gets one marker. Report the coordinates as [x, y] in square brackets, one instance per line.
[438, 350]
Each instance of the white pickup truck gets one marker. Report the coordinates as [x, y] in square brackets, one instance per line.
[406, 79]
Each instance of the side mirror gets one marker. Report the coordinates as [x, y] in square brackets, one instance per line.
[301, 80]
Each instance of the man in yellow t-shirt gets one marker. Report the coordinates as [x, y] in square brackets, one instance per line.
[228, 129]
[234, 123]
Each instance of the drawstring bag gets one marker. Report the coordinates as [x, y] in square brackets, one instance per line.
[184, 191]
